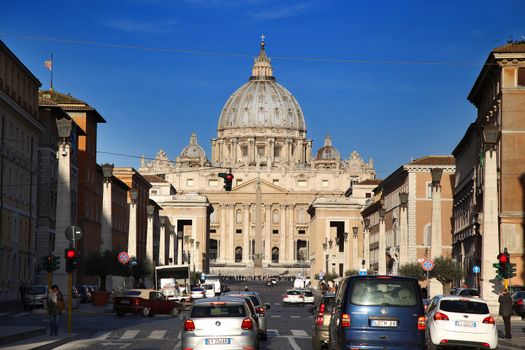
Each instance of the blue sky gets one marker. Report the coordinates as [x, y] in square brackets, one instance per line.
[388, 79]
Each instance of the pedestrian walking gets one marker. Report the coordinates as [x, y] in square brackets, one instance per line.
[55, 306]
[505, 310]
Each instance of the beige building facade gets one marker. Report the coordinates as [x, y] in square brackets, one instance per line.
[277, 180]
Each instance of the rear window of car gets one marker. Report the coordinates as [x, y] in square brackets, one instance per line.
[36, 290]
[197, 289]
[383, 292]
[293, 292]
[207, 286]
[519, 295]
[227, 310]
[464, 306]
[308, 294]
[328, 302]
[132, 293]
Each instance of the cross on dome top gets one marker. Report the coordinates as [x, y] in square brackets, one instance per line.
[262, 67]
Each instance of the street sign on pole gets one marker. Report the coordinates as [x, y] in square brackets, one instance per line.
[427, 265]
[476, 269]
[73, 233]
[123, 258]
[362, 272]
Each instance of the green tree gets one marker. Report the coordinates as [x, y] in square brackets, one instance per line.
[101, 265]
[446, 271]
[142, 269]
[412, 270]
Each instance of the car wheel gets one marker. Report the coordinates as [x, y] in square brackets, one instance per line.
[146, 312]
[175, 311]
[120, 313]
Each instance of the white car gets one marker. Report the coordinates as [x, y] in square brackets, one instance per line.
[293, 296]
[197, 293]
[209, 289]
[308, 296]
[460, 321]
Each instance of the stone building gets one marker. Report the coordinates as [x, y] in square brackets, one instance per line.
[489, 196]
[19, 131]
[263, 225]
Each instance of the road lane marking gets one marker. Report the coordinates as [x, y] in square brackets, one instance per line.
[20, 314]
[298, 333]
[4, 314]
[293, 344]
[101, 335]
[276, 316]
[293, 316]
[272, 333]
[130, 334]
[157, 334]
[276, 303]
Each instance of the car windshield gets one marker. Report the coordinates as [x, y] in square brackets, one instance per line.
[36, 290]
[383, 292]
[464, 306]
[197, 290]
[132, 293]
[226, 310]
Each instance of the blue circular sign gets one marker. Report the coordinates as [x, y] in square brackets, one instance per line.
[427, 265]
[362, 272]
[476, 269]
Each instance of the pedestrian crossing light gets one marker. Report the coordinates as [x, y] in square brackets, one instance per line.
[71, 259]
[512, 270]
[228, 179]
[503, 265]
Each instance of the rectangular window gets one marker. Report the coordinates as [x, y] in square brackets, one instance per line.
[244, 151]
[277, 152]
[213, 182]
[189, 182]
[301, 183]
[368, 195]
[238, 182]
[301, 232]
[239, 231]
[324, 183]
[260, 151]
[275, 232]
[521, 76]
[213, 231]
[275, 182]
[429, 190]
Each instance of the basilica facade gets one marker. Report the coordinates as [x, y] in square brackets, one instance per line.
[287, 212]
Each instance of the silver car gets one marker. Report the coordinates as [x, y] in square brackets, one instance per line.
[224, 323]
[36, 296]
[260, 308]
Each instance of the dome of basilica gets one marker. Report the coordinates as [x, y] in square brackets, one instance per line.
[262, 102]
[328, 152]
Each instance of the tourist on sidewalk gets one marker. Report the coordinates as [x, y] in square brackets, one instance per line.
[55, 306]
[505, 310]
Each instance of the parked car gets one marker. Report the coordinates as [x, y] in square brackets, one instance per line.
[308, 296]
[220, 323]
[459, 321]
[269, 283]
[197, 293]
[377, 312]
[36, 296]
[209, 289]
[260, 309]
[293, 296]
[147, 302]
[83, 293]
[273, 280]
[518, 304]
[466, 292]
[323, 313]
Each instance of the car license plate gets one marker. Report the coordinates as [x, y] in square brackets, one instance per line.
[217, 341]
[465, 323]
[383, 323]
[124, 301]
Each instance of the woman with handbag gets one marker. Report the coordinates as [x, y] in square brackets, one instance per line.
[55, 306]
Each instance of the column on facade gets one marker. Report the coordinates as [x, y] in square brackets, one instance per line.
[63, 207]
[171, 244]
[308, 151]
[271, 151]
[234, 150]
[288, 150]
[490, 244]
[230, 233]
[290, 234]
[403, 234]
[179, 248]
[246, 234]
[149, 238]
[252, 150]
[268, 235]
[132, 235]
[162, 243]
[106, 243]
[214, 150]
[436, 244]
[220, 151]
[222, 245]
[282, 234]
[382, 247]
[366, 244]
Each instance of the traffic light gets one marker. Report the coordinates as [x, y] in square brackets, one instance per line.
[56, 263]
[228, 179]
[512, 270]
[503, 266]
[71, 259]
[46, 262]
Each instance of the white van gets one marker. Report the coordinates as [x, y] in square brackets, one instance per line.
[216, 280]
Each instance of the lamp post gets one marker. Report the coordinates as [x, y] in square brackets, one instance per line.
[355, 262]
[162, 239]
[382, 244]
[366, 242]
[403, 228]
[107, 172]
[326, 253]
[132, 236]
[436, 250]
[490, 241]
[149, 232]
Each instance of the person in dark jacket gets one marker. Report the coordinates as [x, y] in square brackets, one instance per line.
[55, 306]
[505, 310]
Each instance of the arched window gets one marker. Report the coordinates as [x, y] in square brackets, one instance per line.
[238, 254]
[275, 216]
[427, 235]
[275, 255]
[238, 216]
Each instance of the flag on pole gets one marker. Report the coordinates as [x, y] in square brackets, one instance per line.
[48, 64]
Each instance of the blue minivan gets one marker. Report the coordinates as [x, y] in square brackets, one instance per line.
[377, 312]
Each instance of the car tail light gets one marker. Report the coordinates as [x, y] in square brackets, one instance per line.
[301, 296]
[247, 324]
[520, 301]
[260, 310]
[189, 325]
[421, 325]
[485, 345]
[489, 320]
[443, 341]
[135, 301]
[345, 320]
[187, 348]
[285, 296]
[320, 315]
[439, 316]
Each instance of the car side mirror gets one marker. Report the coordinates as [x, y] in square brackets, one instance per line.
[267, 306]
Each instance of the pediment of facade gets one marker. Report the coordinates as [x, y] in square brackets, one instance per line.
[266, 187]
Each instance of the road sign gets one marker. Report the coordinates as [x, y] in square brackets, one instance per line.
[321, 275]
[476, 269]
[427, 265]
[203, 276]
[73, 233]
[362, 272]
[123, 258]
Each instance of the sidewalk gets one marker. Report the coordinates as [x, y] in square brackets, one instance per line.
[39, 340]
[518, 335]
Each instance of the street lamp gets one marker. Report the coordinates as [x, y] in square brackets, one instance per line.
[134, 194]
[366, 221]
[151, 210]
[107, 171]
[491, 136]
[354, 231]
[437, 173]
[382, 212]
[403, 198]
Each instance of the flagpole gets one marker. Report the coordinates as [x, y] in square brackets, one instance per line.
[51, 87]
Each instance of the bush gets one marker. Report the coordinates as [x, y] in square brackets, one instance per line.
[446, 270]
[412, 270]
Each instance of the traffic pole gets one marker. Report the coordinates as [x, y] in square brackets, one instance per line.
[69, 300]
[49, 279]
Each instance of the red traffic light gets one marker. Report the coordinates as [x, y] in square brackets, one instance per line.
[70, 253]
[503, 258]
[229, 177]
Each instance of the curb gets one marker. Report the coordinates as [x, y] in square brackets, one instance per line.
[510, 344]
[11, 338]
[57, 343]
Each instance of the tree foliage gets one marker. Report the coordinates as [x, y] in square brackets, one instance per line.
[412, 270]
[446, 271]
[101, 265]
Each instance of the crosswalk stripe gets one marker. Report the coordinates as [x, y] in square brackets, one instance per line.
[130, 334]
[272, 332]
[276, 316]
[157, 334]
[298, 332]
[101, 335]
[293, 316]
[276, 303]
